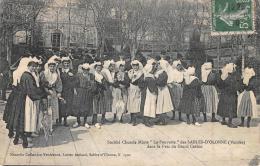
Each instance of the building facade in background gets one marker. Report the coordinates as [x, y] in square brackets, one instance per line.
[67, 24]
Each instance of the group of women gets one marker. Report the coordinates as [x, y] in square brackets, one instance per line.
[42, 97]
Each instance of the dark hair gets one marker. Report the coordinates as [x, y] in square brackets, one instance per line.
[69, 61]
[32, 63]
[121, 65]
[51, 63]
[179, 56]
[96, 65]
[190, 64]
[167, 58]
[157, 58]
[211, 61]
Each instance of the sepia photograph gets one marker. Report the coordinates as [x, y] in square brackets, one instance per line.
[130, 82]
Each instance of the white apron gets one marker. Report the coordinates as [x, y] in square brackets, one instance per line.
[150, 104]
[31, 112]
[134, 99]
[119, 102]
[164, 103]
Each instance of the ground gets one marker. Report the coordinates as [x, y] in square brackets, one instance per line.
[123, 144]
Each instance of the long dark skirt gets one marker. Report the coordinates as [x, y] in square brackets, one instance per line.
[99, 104]
[14, 111]
[143, 97]
[83, 103]
[191, 105]
[227, 106]
[108, 100]
[66, 107]
[9, 104]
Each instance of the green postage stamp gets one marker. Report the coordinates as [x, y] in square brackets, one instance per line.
[231, 17]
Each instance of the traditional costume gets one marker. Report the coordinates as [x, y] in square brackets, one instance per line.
[176, 87]
[151, 92]
[15, 103]
[164, 102]
[246, 106]
[228, 85]
[210, 94]
[32, 107]
[68, 87]
[32, 94]
[109, 81]
[99, 99]
[136, 77]
[190, 102]
[83, 99]
[52, 84]
[119, 93]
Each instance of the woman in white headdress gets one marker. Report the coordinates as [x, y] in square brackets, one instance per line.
[121, 83]
[36, 76]
[151, 92]
[32, 96]
[32, 115]
[68, 89]
[108, 72]
[99, 99]
[176, 87]
[83, 99]
[164, 102]
[227, 106]
[51, 81]
[14, 102]
[136, 77]
[246, 106]
[189, 104]
[209, 81]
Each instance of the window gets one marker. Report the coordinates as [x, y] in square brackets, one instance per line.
[55, 40]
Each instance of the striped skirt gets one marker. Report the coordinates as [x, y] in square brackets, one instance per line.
[211, 98]
[98, 104]
[108, 99]
[176, 94]
[246, 104]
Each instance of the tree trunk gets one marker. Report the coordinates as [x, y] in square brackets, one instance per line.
[134, 47]
[9, 44]
[133, 51]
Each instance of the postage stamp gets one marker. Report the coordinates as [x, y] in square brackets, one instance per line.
[230, 17]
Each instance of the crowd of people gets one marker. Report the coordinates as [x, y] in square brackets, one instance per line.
[45, 94]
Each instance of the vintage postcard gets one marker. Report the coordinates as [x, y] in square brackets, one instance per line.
[130, 82]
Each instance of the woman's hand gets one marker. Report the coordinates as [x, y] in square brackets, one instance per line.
[75, 92]
[51, 92]
[170, 85]
[58, 95]
[70, 74]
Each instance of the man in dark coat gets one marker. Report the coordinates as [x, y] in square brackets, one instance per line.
[4, 76]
